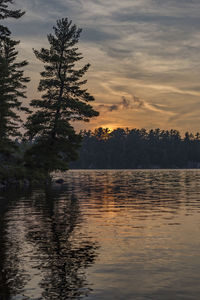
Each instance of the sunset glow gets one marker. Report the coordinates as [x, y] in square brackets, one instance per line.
[145, 50]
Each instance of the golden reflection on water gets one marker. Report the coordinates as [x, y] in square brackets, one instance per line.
[103, 235]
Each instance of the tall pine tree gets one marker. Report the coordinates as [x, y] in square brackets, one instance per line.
[63, 100]
[12, 85]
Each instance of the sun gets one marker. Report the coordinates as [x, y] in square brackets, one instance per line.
[109, 127]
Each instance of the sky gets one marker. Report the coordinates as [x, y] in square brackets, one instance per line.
[144, 56]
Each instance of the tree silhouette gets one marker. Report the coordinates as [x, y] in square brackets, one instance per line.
[63, 100]
[5, 12]
[12, 86]
[138, 148]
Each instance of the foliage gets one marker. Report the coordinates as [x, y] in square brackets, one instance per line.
[5, 12]
[63, 100]
[12, 85]
[134, 148]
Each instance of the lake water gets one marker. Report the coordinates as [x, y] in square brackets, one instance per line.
[113, 234]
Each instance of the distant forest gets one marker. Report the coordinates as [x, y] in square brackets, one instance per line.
[137, 148]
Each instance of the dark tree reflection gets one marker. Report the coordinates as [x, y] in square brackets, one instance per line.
[51, 251]
[12, 278]
[5, 292]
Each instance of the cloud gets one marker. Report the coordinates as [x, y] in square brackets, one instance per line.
[139, 103]
[113, 107]
[145, 47]
[110, 108]
[135, 103]
[159, 108]
[96, 35]
[125, 103]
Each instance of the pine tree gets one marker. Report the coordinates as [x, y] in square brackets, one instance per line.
[63, 100]
[12, 85]
[5, 12]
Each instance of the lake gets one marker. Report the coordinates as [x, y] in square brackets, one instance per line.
[103, 234]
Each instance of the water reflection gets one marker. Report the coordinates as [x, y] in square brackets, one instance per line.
[43, 254]
[142, 225]
[147, 223]
[150, 190]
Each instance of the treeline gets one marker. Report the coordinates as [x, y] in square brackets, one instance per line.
[138, 148]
